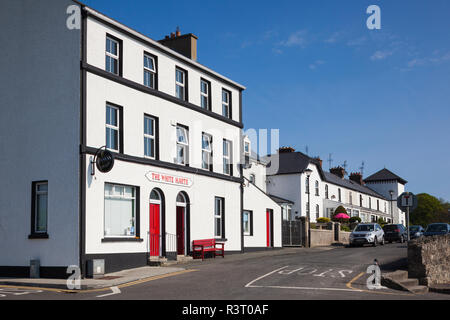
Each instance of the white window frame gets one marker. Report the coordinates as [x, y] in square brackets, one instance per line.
[204, 95]
[112, 55]
[39, 193]
[218, 216]
[226, 104]
[113, 127]
[207, 151]
[182, 144]
[180, 84]
[252, 178]
[227, 157]
[316, 187]
[150, 137]
[121, 196]
[149, 70]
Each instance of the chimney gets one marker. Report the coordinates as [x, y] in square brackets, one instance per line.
[357, 177]
[286, 150]
[338, 171]
[318, 160]
[185, 44]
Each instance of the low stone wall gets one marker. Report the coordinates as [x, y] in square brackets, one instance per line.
[429, 260]
[344, 237]
[321, 237]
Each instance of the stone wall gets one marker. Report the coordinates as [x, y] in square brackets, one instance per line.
[429, 260]
[321, 237]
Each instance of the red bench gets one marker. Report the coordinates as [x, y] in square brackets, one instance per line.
[199, 247]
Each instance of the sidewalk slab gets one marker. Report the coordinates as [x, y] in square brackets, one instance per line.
[108, 280]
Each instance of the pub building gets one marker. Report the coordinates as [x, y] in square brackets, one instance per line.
[172, 127]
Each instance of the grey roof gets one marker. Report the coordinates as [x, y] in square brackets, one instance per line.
[280, 200]
[385, 175]
[349, 184]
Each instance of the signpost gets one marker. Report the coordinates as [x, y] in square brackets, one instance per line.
[407, 201]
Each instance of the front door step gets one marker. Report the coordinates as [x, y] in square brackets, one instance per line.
[399, 280]
[156, 261]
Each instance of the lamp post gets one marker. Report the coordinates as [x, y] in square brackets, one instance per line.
[391, 192]
[308, 174]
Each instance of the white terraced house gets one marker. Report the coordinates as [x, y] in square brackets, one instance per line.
[172, 125]
[370, 199]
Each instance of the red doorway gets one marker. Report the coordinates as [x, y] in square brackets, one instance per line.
[154, 229]
[180, 230]
[269, 228]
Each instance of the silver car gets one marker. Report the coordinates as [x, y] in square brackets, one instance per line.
[367, 233]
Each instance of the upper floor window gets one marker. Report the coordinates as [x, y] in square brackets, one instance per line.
[182, 145]
[205, 94]
[350, 197]
[180, 84]
[326, 191]
[112, 55]
[360, 200]
[252, 178]
[370, 203]
[149, 137]
[317, 188]
[39, 208]
[207, 160]
[378, 205]
[149, 71]
[339, 195]
[227, 156]
[112, 127]
[226, 103]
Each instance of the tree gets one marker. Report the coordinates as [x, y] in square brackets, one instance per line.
[428, 208]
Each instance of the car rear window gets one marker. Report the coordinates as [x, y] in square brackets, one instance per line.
[391, 227]
[437, 228]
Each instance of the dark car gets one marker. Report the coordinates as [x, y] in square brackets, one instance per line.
[416, 232]
[395, 232]
[435, 229]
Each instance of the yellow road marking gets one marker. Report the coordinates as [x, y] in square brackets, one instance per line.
[349, 285]
[128, 284]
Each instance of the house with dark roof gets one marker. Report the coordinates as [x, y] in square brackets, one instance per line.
[317, 193]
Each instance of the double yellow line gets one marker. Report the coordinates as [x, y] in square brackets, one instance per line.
[128, 284]
[349, 285]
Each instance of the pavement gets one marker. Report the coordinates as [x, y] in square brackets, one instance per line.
[440, 288]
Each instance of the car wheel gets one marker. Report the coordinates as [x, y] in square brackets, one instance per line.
[382, 241]
[402, 239]
[375, 242]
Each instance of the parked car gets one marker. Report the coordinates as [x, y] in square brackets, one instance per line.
[367, 233]
[416, 232]
[437, 229]
[395, 232]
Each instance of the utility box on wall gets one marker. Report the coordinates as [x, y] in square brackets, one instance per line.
[35, 266]
[95, 268]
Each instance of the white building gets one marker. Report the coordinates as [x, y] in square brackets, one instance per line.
[367, 199]
[172, 124]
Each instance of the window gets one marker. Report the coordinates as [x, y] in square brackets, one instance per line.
[205, 94]
[350, 197]
[149, 71]
[219, 217]
[182, 145]
[247, 153]
[207, 160]
[227, 157]
[113, 127]
[370, 203]
[112, 54]
[317, 188]
[149, 137]
[326, 191]
[385, 207]
[378, 205]
[317, 211]
[180, 84]
[360, 200]
[307, 185]
[226, 103]
[339, 195]
[120, 211]
[252, 178]
[248, 223]
[39, 209]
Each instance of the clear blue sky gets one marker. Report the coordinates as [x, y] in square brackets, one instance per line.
[313, 70]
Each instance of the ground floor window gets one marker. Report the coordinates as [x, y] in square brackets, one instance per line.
[40, 207]
[248, 223]
[120, 211]
[219, 218]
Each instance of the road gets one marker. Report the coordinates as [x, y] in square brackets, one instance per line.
[291, 274]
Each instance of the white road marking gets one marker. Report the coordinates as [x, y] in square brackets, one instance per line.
[266, 275]
[114, 290]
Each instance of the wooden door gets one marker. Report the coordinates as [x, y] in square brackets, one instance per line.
[154, 229]
[180, 230]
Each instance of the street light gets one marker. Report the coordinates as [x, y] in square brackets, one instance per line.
[391, 192]
[308, 174]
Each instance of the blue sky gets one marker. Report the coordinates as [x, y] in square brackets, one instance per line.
[313, 70]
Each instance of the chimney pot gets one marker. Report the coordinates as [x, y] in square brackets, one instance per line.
[286, 150]
[339, 171]
[172, 35]
[357, 177]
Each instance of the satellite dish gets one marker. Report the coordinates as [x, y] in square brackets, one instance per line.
[104, 161]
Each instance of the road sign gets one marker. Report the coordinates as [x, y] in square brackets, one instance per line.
[407, 200]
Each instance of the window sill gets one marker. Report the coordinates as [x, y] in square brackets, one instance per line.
[122, 239]
[221, 239]
[38, 236]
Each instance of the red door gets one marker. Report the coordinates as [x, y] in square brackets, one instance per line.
[269, 228]
[154, 230]
[180, 230]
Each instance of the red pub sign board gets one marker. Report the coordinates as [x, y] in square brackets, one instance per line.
[169, 179]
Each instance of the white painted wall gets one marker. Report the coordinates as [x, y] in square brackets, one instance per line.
[39, 130]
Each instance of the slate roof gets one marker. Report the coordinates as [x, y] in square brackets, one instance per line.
[349, 184]
[280, 200]
[385, 175]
